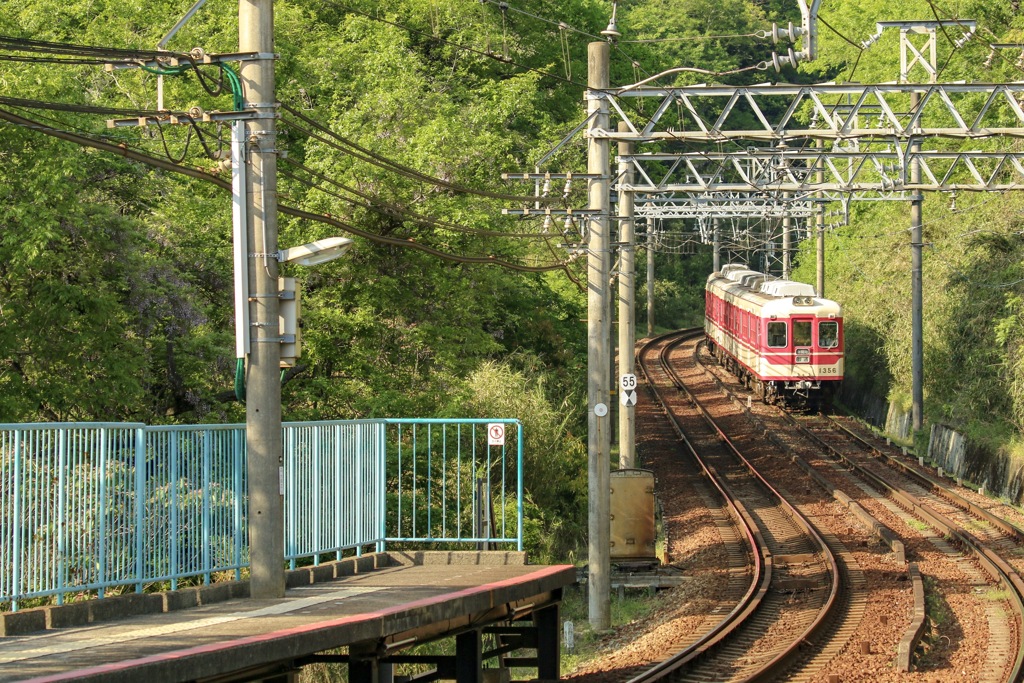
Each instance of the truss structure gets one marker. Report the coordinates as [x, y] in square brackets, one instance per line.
[722, 205]
[718, 113]
[775, 171]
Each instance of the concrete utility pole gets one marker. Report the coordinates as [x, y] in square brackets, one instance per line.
[263, 385]
[820, 219]
[627, 302]
[598, 422]
[716, 246]
[613, 339]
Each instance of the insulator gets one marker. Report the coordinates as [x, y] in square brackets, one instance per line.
[546, 188]
[547, 224]
[964, 38]
[567, 188]
[870, 41]
[568, 228]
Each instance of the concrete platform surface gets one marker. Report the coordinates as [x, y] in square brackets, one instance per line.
[418, 593]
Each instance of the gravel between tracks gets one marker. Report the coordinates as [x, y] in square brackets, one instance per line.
[956, 647]
[694, 546]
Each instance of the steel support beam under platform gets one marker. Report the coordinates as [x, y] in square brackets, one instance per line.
[375, 662]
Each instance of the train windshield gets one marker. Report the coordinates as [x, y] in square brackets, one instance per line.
[802, 332]
[828, 334]
[777, 335]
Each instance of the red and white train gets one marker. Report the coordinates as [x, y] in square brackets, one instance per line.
[778, 337]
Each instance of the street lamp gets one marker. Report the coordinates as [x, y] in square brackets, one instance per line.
[311, 254]
[315, 253]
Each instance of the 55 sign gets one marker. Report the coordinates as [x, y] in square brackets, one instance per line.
[627, 389]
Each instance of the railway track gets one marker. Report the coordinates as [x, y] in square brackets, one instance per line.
[794, 580]
[960, 528]
[735, 633]
[973, 531]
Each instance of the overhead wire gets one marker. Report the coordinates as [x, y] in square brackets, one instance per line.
[213, 90]
[15, 44]
[616, 44]
[194, 128]
[860, 48]
[124, 151]
[25, 103]
[489, 55]
[389, 208]
[755, 34]
[357, 151]
[53, 60]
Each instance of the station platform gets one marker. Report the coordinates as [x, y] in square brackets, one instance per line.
[365, 612]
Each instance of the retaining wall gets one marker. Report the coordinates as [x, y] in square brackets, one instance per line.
[1000, 475]
[947, 448]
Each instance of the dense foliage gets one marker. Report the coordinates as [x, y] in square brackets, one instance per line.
[973, 247]
[115, 275]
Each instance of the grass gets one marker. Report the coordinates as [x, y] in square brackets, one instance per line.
[940, 616]
[996, 595]
[636, 605]
[939, 612]
[917, 525]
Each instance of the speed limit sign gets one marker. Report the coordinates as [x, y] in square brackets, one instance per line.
[627, 382]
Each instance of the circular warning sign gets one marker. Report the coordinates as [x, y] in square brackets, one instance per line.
[495, 434]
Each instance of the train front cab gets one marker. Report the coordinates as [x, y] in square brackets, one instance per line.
[803, 359]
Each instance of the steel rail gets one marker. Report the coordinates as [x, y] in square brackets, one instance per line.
[995, 566]
[936, 487]
[787, 656]
[757, 547]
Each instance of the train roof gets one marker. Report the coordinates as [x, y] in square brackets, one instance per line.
[770, 294]
[786, 288]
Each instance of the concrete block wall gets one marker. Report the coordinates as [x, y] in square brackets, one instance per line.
[1000, 475]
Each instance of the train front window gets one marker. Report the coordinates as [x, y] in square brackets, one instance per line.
[802, 332]
[828, 334]
[777, 335]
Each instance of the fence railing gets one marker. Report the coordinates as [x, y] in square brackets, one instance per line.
[92, 506]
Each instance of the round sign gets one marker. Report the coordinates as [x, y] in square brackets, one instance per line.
[600, 410]
[495, 434]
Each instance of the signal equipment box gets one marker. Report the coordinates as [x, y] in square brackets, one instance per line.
[633, 532]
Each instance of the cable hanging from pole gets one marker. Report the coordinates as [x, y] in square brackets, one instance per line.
[125, 151]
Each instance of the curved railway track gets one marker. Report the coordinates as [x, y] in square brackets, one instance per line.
[794, 577]
[991, 541]
[963, 527]
[782, 607]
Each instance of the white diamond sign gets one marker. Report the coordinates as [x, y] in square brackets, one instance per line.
[627, 398]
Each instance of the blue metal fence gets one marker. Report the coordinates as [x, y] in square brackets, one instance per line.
[86, 507]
